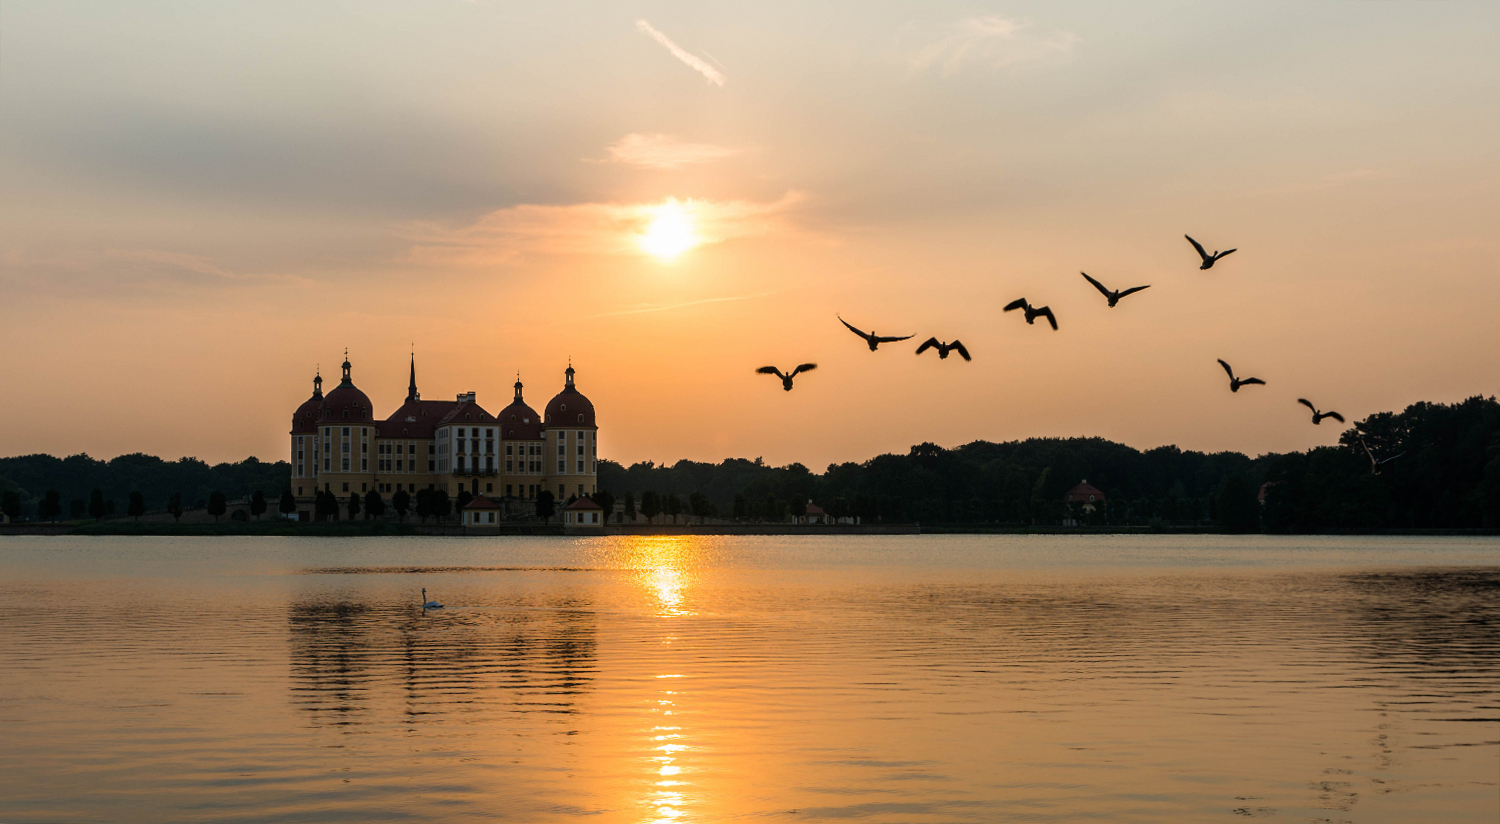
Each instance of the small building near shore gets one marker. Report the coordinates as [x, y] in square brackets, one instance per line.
[584, 513]
[480, 512]
[1086, 496]
[815, 515]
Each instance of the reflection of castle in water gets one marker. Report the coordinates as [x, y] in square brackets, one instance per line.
[352, 659]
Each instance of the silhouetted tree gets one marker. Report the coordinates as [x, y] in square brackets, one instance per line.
[10, 504]
[797, 505]
[137, 506]
[96, 504]
[673, 506]
[217, 504]
[174, 506]
[650, 505]
[741, 508]
[288, 503]
[50, 509]
[630, 506]
[605, 501]
[442, 505]
[374, 504]
[698, 504]
[401, 502]
[257, 504]
[353, 505]
[464, 498]
[544, 504]
[424, 504]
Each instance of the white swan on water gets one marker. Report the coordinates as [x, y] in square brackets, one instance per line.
[426, 604]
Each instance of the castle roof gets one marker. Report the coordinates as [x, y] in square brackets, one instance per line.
[415, 419]
[569, 407]
[481, 502]
[584, 503]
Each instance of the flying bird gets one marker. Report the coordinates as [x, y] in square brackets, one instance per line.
[786, 377]
[1033, 313]
[1236, 383]
[1319, 416]
[944, 348]
[871, 338]
[1208, 260]
[1376, 464]
[1114, 297]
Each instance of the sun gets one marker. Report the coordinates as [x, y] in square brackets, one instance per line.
[670, 232]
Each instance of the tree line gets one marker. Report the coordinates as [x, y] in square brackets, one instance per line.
[1448, 476]
[83, 484]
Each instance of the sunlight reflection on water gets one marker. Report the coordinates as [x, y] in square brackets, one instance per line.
[674, 679]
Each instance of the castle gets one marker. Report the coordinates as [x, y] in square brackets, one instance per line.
[338, 445]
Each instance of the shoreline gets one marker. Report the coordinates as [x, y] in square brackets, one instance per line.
[340, 529]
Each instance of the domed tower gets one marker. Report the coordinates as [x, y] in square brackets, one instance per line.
[346, 437]
[571, 443]
[522, 447]
[305, 442]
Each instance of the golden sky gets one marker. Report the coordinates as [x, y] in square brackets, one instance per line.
[202, 203]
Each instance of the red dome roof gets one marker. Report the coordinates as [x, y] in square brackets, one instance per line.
[518, 420]
[305, 419]
[346, 403]
[569, 407]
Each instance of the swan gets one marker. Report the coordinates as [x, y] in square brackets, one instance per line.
[426, 604]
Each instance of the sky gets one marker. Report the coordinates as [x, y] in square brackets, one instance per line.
[202, 204]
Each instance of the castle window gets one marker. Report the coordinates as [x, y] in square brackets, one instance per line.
[346, 414]
[346, 431]
[562, 407]
[580, 419]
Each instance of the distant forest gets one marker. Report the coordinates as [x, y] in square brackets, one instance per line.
[1447, 476]
[75, 477]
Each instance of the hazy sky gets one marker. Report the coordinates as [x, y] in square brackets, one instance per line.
[201, 202]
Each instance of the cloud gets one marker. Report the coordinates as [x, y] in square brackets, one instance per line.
[589, 229]
[695, 62]
[663, 151]
[111, 269]
[990, 41]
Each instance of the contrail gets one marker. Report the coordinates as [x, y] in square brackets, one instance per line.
[713, 74]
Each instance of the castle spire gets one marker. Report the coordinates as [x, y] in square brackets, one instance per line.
[518, 388]
[411, 388]
[569, 373]
[347, 379]
[318, 384]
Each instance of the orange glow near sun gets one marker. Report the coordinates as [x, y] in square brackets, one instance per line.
[671, 231]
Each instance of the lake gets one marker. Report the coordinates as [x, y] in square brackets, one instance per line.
[780, 679]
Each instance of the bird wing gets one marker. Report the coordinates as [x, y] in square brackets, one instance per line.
[893, 340]
[770, 370]
[806, 367]
[864, 335]
[959, 347]
[1097, 284]
[1198, 246]
[927, 344]
[1336, 416]
[1018, 303]
[1368, 452]
[1388, 460]
[1132, 290]
[1248, 381]
[1222, 254]
[1226, 368]
[1307, 403]
[1047, 310]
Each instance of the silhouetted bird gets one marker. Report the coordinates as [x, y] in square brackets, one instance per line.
[1114, 297]
[1236, 383]
[1208, 260]
[786, 377]
[1032, 314]
[1376, 464]
[871, 338]
[1319, 416]
[944, 348]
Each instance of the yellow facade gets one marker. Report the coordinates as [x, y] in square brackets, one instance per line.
[338, 445]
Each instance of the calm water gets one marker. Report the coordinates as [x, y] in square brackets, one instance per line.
[875, 679]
